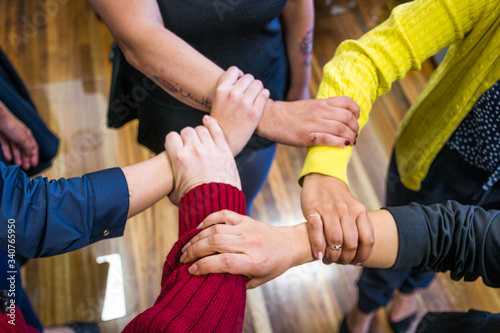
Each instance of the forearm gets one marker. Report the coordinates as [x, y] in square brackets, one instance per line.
[365, 69]
[384, 251]
[173, 64]
[464, 240]
[192, 303]
[148, 182]
[57, 216]
[298, 23]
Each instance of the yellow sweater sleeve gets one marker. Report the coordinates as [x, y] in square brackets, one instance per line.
[365, 69]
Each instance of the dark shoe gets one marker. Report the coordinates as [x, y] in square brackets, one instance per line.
[343, 327]
[402, 326]
[83, 327]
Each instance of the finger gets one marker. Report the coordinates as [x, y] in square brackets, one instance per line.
[366, 238]
[204, 135]
[215, 132]
[212, 230]
[33, 156]
[25, 160]
[5, 148]
[340, 127]
[173, 142]
[350, 239]
[316, 237]
[232, 263]
[345, 117]
[253, 91]
[326, 139]
[229, 78]
[345, 103]
[334, 237]
[223, 216]
[17, 155]
[242, 84]
[189, 136]
[216, 243]
[261, 99]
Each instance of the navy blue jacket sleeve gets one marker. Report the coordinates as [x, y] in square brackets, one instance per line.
[464, 240]
[57, 216]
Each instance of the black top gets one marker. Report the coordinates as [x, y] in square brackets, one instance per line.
[246, 34]
[478, 136]
[464, 240]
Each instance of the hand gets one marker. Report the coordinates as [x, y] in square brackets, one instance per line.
[17, 141]
[238, 104]
[200, 156]
[334, 214]
[245, 246]
[314, 122]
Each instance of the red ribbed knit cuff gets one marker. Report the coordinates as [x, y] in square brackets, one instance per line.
[187, 303]
[206, 199]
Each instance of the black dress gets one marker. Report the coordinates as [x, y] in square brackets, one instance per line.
[246, 34]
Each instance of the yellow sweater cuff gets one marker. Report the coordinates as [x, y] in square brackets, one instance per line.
[329, 161]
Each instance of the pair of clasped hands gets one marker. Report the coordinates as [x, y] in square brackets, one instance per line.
[237, 244]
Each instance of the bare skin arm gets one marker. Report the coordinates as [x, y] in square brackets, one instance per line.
[192, 78]
[298, 24]
[262, 252]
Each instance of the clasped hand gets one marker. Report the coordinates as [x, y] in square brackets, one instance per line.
[17, 141]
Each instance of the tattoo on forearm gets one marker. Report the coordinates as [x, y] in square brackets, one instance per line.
[206, 102]
[306, 47]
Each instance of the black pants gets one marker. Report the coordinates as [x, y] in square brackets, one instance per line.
[449, 178]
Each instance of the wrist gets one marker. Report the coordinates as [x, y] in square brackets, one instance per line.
[270, 109]
[300, 245]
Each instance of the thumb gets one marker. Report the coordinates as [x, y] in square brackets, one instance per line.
[316, 235]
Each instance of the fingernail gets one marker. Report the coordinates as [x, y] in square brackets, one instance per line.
[347, 143]
[188, 244]
[193, 269]
[357, 264]
[320, 255]
[199, 225]
[183, 257]
[205, 117]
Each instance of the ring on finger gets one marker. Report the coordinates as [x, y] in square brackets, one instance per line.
[336, 247]
[315, 214]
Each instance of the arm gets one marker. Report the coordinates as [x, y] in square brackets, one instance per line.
[105, 199]
[215, 303]
[298, 25]
[56, 216]
[363, 70]
[192, 78]
[462, 239]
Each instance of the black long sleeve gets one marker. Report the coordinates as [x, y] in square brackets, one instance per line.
[464, 240]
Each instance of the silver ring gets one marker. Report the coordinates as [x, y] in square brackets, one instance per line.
[336, 247]
[317, 215]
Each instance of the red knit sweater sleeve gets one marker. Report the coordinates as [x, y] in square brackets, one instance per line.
[211, 303]
[13, 322]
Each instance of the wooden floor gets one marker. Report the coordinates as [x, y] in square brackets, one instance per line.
[61, 51]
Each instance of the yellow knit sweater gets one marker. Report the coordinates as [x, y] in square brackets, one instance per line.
[365, 69]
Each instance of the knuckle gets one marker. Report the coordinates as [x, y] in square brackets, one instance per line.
[342, 207]
[249, 76]
[217, 229]
[226, 261]
[224, 215]
[246, 104]
[216, 240]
